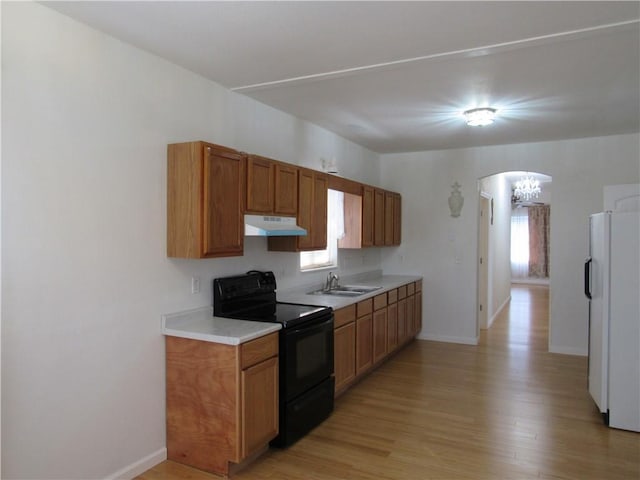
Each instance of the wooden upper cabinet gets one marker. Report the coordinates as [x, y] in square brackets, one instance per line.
[319, 215]
[389, 201]
[205, 200]
[312, 214]
[371, 218]
[260, 184]
[286, 189]
[397, 219]
[378, 222]
[272, 187]
[368, 216]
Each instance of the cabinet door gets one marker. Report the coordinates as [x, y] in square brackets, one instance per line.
[260, 184]
[402, 321]
[389, 201]
[411, 305]
[379, 334]
[344, 339]
[364, 343]
[417, 314]
[259, 405]
[319, 217]
[368, 216]
[397, 219]
[224, 190]
[392, 327]
[305, 207]
[378, 223]
[286, 189]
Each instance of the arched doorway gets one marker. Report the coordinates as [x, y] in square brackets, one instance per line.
[496, 206]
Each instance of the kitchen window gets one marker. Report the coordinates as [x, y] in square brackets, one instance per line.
[321, 259]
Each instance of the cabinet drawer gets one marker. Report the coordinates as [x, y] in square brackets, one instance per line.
[419, 286]
[411, 289]
[344, 315]
[402, 292]
[380, 301]
[392, 296]
[364, 307]
[258, 350]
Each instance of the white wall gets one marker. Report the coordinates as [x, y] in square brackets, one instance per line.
[86, 120]
[432, 238]
[498, 188]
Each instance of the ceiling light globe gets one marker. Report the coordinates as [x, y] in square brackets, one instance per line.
[480, 117]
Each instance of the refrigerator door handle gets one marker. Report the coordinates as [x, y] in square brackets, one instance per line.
[587, 278]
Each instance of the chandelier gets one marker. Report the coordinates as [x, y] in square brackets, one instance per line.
[527, 188]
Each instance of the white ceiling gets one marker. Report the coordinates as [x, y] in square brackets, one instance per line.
[395, 76]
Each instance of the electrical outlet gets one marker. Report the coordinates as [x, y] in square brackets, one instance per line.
[195, 285]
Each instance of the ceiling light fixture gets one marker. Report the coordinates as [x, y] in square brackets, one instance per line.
[527, 188]
[479, 117]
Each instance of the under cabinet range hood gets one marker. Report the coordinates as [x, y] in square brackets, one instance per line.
[270, 226]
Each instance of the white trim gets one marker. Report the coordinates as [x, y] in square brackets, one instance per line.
[449, 339]
[582, 352]
[495, 315]
[137, 468]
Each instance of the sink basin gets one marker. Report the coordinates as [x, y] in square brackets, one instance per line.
[346, 291]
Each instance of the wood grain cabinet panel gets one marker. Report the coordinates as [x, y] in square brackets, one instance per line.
[378, 223]
[205, 200]
[344, 356]
[260, 185]
[397, 219]
[364, 343]
[312, 215]
[368, 216]
[389, 201]
[402, 321]
[379, 334]
[392, 327]
[259, 405]
[219, 413]
[286, 190]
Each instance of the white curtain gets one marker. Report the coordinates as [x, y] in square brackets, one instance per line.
[519, 243]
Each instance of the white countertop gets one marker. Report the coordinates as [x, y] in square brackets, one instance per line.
[200, 324]
[386, 282]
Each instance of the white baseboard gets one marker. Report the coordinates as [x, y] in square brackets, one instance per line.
[500, 308]
[449, 339]
[568, 350]
[141, 466]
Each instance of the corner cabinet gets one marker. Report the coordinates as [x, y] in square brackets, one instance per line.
[206, 187]
[312, 214]
[222, 401]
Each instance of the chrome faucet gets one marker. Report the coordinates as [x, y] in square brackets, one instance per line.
[329, 284]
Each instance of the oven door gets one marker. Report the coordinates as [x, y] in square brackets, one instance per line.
[308, 356]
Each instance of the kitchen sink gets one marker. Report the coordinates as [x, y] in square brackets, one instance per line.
[346, 291]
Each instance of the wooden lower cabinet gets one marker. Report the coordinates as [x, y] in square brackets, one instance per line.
[402, 321]
[379, 334]
[344, 339]
[368, 332]
[364, 344]
[222, 400]
[392, 327]
[259, 405]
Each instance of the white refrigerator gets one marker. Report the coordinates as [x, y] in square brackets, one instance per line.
[612, 284]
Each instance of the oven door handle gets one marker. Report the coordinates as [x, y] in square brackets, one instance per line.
[316, 327]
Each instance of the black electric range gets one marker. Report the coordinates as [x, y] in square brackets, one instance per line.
[305, 348]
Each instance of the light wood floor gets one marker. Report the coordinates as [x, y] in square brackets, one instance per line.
[505, 409]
